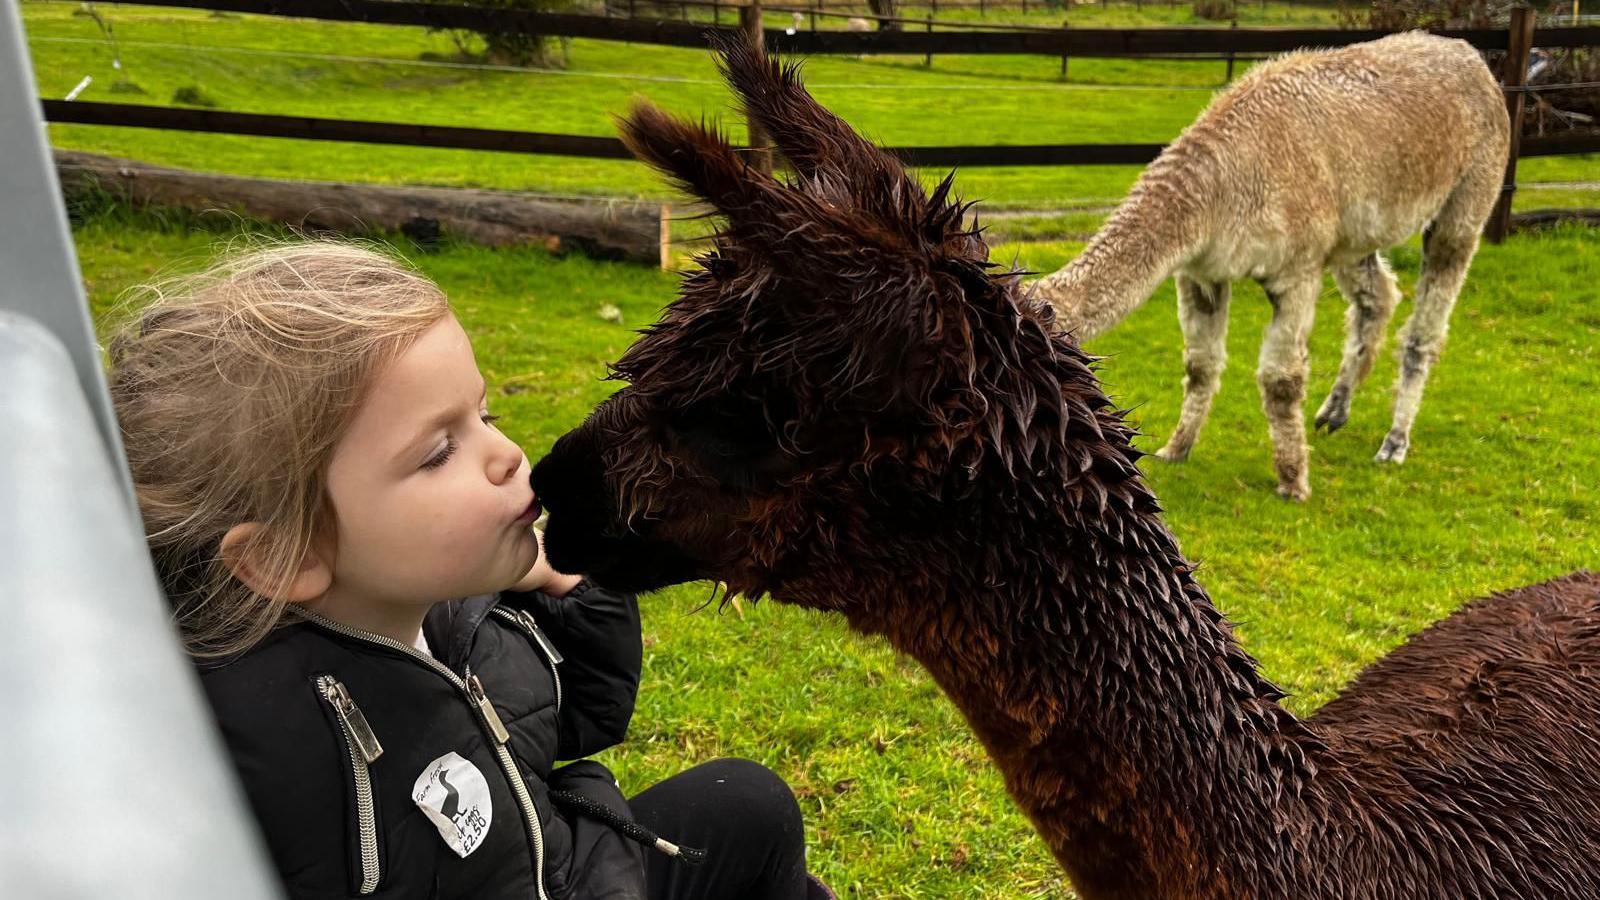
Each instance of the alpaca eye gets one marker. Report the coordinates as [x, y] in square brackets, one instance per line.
[730, 445]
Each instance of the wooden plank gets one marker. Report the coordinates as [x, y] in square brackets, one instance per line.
[1096, 42]
[1093, 42]
[471, 18]
[1566, 144]
[1031, 155]
[307, 128]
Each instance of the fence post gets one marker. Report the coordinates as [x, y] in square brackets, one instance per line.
[815, 5]
[1065, 24]
[760, 145]
[927, 60]
[1229, 78]
[1513, 77]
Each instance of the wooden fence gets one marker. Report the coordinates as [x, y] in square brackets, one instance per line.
[1102, 42]
[1084, 42]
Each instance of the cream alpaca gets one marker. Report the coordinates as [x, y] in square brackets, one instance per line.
[1314, 159]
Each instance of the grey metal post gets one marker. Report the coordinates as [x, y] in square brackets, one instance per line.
[38, 268]
[115, 781]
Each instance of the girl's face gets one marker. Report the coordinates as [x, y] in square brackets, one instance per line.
[432, 502]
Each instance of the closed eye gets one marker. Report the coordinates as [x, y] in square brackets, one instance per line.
[733, 447]
[449, 448]
[443, 456]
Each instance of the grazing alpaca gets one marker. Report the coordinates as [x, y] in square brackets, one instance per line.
[849, 409]
[1314, 159]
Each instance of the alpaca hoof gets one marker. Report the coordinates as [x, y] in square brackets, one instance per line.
[1173, 453]
[1335, 412]
[1298, 493]
[1393, 450]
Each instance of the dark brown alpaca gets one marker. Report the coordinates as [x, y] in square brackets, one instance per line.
[850, 409]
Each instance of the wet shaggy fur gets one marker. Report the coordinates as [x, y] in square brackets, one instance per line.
[1317, 159]
[849, 408]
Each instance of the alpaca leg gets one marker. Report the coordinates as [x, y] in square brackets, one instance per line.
[1369, 287]
[1203, 314]
[1282, 376]
[1446, 256]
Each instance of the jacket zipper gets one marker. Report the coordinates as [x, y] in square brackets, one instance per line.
[525, 621]
[488, 718]
[364, 749]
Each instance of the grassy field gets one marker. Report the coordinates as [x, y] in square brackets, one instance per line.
[1500, 490]
[255, 64]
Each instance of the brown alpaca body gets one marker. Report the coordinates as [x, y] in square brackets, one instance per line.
[1156, 762]
[847, 409]
[1314, 160]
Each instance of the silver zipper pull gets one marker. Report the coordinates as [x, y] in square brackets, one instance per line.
[476, 692]
[538, 635]
[344, 706]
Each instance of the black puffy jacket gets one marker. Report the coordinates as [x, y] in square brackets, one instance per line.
[377, 770]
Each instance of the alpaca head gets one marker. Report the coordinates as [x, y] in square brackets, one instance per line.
[842, 370]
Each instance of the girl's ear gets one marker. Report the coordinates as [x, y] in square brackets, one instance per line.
[242, 553]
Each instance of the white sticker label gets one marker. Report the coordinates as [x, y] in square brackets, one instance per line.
[455, 797]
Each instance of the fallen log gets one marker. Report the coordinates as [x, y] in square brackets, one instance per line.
[635, 231]
[1535, 218]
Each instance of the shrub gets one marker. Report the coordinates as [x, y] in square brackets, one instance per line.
[512, 48]
[1215, 10]
[193, 95]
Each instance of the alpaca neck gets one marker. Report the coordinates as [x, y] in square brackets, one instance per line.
[1154, 231]
[1129, 724]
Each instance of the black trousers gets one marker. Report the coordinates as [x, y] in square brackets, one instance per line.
[745, 818]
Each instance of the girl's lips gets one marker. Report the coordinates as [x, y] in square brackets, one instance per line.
[531, 513]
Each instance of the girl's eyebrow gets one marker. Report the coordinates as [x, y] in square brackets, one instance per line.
[443, 418]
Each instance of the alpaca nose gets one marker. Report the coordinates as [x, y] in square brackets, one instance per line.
[570, 480]
[570, 484]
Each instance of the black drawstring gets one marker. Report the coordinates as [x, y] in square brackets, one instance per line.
[577, 803]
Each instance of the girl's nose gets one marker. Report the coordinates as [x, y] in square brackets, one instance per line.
[506, 461]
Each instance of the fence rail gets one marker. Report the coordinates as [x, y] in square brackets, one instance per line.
[1082, 42]
[210, 121]
[1062, 43]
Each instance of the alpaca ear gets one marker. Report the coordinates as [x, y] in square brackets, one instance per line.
[697, 157]
[243, 553]
[815, 141]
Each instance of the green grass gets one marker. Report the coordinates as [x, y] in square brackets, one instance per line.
[959, 100]
[899, 799]
[1500, 490]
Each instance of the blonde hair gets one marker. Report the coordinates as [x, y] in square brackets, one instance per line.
[232, 388]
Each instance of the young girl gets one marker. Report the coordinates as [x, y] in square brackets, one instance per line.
[321, 484]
